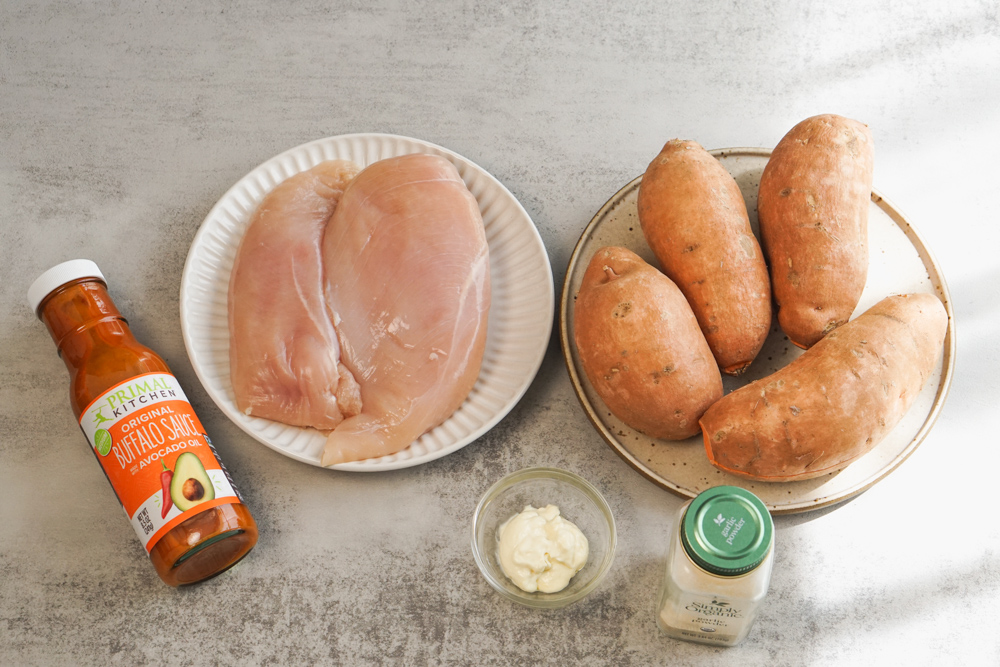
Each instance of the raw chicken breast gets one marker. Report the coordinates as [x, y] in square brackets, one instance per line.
[408, 283]
[283, 351]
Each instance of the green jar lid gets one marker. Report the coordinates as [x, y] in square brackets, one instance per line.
[727, 531]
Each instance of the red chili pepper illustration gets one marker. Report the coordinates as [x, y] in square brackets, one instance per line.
[165, 478]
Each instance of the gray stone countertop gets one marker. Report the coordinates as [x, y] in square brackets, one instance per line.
[121, 124]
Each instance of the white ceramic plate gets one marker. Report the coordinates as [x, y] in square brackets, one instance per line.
[521, 309]
[899, 262]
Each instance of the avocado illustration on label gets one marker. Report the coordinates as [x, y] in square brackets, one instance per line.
[190, 484]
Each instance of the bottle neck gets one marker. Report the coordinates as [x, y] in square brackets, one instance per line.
[80, 316]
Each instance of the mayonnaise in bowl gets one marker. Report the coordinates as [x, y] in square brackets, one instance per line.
[575, 502]
[540, 551]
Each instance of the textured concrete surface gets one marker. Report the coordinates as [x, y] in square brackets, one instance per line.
[122, 123]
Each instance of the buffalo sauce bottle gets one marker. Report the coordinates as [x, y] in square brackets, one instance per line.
[144, 433]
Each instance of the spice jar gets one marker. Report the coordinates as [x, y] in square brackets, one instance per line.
[143, 431]
[718, 567]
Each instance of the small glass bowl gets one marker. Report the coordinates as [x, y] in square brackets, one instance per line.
[578, 501]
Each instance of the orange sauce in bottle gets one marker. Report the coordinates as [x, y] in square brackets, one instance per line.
[192, 522]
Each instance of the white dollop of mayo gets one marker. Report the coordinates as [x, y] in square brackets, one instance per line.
[540, 550]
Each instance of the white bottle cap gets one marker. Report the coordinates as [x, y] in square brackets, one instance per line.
[58, 275]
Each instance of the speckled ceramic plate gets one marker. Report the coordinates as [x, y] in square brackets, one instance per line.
[900, 262]
[521, 309]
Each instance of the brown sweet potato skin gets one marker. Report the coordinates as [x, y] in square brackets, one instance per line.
[695, 220]
[813, 209]
[836, 401]
[641, 348]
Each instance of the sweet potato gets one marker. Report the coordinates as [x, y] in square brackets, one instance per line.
[836, 401]
[641, 348]
[813, 208]
[694, 219]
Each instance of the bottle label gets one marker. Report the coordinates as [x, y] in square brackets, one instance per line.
[707, 618]
[156, 454]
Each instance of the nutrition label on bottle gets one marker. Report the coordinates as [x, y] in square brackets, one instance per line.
[156, 454]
